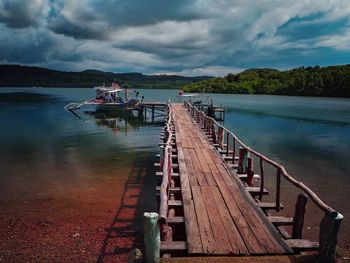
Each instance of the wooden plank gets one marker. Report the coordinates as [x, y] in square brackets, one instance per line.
[174, 203]
[173, 245]
[268, 206]
[255, 259]
[189, 166]
[280, 220]
[174, 175]
[210, 179]
[196, 163]
[264, 236]
[171, 189]
[202, 160]
[224, 174]
[247, 235]
[236, 241]
[302, 244]
[217, 225]
[207, 238]
[176, 220]
[202, 181]
[244, 176]
[255, 190]
[192, 230]
[206, 163]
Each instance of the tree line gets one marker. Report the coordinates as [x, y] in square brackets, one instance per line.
[25, 76]
[333, 81]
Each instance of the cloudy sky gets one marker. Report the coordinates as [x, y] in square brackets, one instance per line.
[189, 37]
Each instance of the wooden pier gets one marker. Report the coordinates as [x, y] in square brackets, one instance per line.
[209, 203]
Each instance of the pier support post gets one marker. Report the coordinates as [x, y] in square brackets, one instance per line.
[152, 238]
[298, 219]
[329, 228]
[250, 172]
[242, 162]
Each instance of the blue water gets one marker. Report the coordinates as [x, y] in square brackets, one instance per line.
[309, 136]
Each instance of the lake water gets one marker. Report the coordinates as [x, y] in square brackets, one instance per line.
[46, 151]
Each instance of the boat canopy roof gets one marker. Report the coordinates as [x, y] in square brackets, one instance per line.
[189, 95]
[108, 89]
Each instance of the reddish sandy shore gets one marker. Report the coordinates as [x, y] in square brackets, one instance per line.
[99, 223]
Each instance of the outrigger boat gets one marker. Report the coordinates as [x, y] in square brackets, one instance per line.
[110, 98]
[198, 99]
[204, 103]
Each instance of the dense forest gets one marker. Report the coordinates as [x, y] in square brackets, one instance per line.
[333, 81]
[23, 76]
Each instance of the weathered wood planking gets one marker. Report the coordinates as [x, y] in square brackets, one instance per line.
[218, 226]
[194, 243]
[227, 221]
[207, 237]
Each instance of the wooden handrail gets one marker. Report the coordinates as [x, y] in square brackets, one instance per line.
[167, 170]
[209, 121]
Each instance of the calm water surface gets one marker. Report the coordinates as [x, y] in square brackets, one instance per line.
[44, 146]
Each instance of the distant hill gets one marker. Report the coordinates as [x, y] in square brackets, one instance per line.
[333, 81]
[24, 76]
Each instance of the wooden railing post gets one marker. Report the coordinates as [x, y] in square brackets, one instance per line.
[242, 160]
[233, 150]
[298, 219]
[250, 172]
[152, 238]
[221, 137]
[262, 179]
[213, 133]
[278, 190]
[329, 228]
[208, 125]
[227, 144]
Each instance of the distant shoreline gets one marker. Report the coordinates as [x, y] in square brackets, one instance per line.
[333, 81]
[24, 76]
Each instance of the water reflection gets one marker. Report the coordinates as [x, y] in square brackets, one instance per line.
[25, 98]
[125, 121]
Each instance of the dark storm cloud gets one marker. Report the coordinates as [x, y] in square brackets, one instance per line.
[29, 47]
[19, 13]
[311, 26]
[192, 37]
[79, 20]
[143, 12]
[61, 25]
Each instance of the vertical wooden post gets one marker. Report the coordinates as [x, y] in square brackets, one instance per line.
[221, 137]
[161, 158]
[298, 219]
[209, 125]
[242, 160]
[213, 133]
[261, 179]
[145, 114]
[233, 150]
[227, 144]
[152, 238]
[278, 190]
[329, 228]
[250, 172]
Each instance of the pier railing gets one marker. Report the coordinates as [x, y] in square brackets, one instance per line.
[166, 163]
[240, 157]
